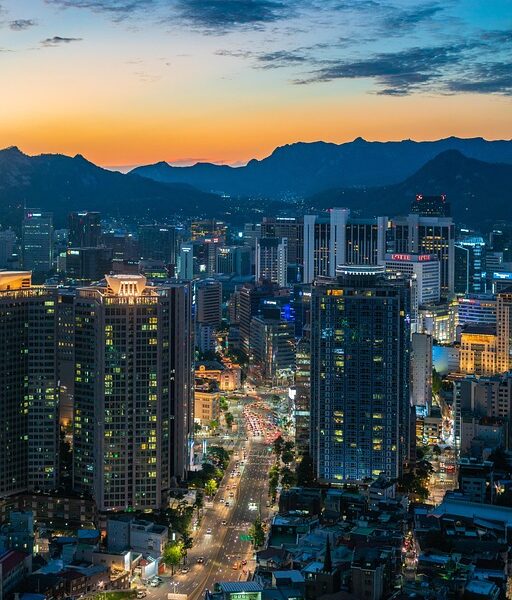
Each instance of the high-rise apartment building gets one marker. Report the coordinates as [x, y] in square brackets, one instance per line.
[272, 260]
[28, 394]
[418, 234]
[421, 371]
[504, 330]
[133, 391]
[273, 349]
[360, 355]
[335, 239]
[234, 260]
[7, 244]
[37, 241]
[84, 229]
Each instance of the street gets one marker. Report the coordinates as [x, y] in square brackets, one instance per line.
[223, 548]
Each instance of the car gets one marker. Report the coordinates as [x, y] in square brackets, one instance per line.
[209, 531]
[185, 570]
[221, 500]
[243, 563]
[231, 494]
[141, 594]
[235, 566]
[200, 560]
[223, 522]
[154, 583]
[226, 504]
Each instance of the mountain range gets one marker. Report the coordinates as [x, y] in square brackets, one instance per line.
[480, 193]
[303, 169]
[478, 190]
[61, 184]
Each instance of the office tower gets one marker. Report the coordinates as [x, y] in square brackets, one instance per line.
[209, 302]
[423, 270]
[273, 349]
[335, 239]
[439, 320]
[504, 329]
[28, 394]
[133, 391]
[291, 228]
[417, 234]
[272, 260]
[158, 242]
[88, 264]
[37, 241]
[360, 355]
[469, 265]
[208, 228]
[186, 265]
[234, 260]
[431, 206]
[478, 350]
[421, 371]
[251, 298]
[477, 308]
[84, 229]
[7, 243]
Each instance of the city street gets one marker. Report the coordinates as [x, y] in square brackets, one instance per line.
[222, 548]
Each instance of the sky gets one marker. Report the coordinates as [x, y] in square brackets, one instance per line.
[128, 82]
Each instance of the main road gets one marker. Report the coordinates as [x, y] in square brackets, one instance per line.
[221, 552]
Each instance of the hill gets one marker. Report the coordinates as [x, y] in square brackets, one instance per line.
[478, 191]
[303, 169]
[61, 184]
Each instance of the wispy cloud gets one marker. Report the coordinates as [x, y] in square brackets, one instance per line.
[220, 16]
[57, 40]
[22, 24]
[117, 9]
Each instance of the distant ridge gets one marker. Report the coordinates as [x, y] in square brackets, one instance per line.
[62, 183]
[302, 169]
[479, 192]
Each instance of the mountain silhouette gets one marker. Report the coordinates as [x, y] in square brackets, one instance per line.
[60, 184]
[303, 169]
[478, 191]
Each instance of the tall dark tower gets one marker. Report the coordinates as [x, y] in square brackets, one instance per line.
[84, 229]
[431, 206]
[360, 352]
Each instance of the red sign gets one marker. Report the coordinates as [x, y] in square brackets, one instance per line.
[401, 257]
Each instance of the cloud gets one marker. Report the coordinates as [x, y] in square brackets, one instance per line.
[57, 40]
[488, 78]
[22, 24]
[395, 73]
[399, 21]
[117, 9]
[220, 16]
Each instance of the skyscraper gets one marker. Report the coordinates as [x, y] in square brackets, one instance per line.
[209, 302]
[469, 265]
[37, 241]
[360, 353]
[272, 260]
[336, 239]
[84, 229]
[28, 394]
[133, 390]
[417, 234]
[431, 206]
[158, 242]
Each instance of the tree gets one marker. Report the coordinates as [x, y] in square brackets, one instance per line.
[437, 382]
[223, 403]
[210, 487]
[229, 419]
[197, 427]
[288, 477]
[214, 424]
[273, 482]
[306, 471]
[219, 455]
[257, 533]
[278, 446]
[437, 450]
[173, 554]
